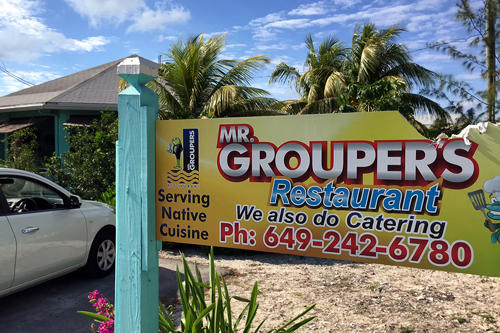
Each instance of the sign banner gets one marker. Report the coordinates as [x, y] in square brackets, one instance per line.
[361, 186]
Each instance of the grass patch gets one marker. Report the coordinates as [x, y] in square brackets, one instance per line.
[361, 310]
[419, 311]
[489, 318]
[460, 320]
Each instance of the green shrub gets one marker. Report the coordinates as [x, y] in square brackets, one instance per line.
[24, 151]
[109, 197]
[88, 169]
[215, 316]
[198, 314]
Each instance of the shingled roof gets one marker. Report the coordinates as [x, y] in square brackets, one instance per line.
[92, 89]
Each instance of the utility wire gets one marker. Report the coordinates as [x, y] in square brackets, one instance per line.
[14, 76]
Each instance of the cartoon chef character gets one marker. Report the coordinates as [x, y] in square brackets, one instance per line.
[492, 186]
[176, 149]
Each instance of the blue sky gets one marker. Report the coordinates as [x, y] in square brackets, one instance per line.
[44, 40]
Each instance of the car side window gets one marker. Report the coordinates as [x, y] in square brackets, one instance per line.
[26, 196]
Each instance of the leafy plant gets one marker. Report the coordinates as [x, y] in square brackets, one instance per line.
[376, 73]
[460, 320]
[109, 197]
[199, 314]
[105, 313]
[489, 318]
[404, 329]
[88, 169]
[195, 82]
[23, 151]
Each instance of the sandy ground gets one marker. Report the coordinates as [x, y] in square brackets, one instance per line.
[356, 297]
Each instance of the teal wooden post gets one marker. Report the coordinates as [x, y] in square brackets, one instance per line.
[136, 288]
[60, 132]
[5, 138]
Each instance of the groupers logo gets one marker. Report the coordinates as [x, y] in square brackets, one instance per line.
[186, 169]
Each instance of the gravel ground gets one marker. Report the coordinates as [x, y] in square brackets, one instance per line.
[357, 297]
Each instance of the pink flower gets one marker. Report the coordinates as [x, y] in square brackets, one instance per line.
[93, 295]
[107, 326]
[104, 308]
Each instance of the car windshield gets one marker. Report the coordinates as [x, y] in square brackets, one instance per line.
[21, 188]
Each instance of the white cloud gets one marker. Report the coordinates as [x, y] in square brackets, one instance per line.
[434, 56]
[162, 38]
[235, 45]
[134, 51]
[316, 8]
[321, 7]
[346, 3]
[280, 92]
[425, 21]
[326, 33]
[267, 19]
[264, 34]
[266, 28]
[143, 17]
[207, 35]
[158, 19]
[280, 46]
[39, 65]
[229, 55]
[289, 24]
[289, 61]
[435, 61]
[132, 47]
[299, 47]
[416, 44]
[391, 14]
[469, 76]
[109, 10]
[24, 37]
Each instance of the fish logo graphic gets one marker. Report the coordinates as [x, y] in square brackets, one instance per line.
[187, 171]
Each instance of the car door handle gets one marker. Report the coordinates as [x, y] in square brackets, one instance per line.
[28, 230]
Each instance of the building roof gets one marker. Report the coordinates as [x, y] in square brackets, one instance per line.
[92, 89]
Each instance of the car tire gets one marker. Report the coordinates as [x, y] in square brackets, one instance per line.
[102, 255]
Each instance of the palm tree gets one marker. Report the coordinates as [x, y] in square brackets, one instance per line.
[375, 55]
[320, 62]
[336, 75]
[194, 82]
[459, 119]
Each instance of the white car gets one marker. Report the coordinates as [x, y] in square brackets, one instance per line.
[45, 232]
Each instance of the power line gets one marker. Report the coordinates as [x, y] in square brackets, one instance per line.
[14, 76]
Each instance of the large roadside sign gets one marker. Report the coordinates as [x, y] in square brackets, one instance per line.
[362, 187]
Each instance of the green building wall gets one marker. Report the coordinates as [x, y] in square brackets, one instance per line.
[51, 133]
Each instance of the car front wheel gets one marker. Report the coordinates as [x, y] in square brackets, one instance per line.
[102, 255]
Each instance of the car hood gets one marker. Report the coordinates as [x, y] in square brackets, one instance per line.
[90, 203]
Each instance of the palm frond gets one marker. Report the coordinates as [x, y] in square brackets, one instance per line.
[326, 105]
[285, 74]
[422, 104]
[195, 82]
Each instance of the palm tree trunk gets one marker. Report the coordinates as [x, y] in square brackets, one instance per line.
[491, 16]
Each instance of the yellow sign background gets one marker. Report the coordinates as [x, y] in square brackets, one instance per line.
[220, 197]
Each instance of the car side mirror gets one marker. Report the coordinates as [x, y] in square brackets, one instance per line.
[75, 201]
